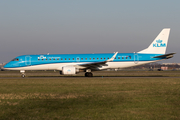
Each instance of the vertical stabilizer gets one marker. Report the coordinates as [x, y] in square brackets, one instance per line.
[159, 45]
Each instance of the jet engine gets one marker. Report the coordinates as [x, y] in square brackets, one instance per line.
[69, 70]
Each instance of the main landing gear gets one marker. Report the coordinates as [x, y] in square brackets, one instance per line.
[22, 73]
[88, 73]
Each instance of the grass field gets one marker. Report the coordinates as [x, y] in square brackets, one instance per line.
[109, 98]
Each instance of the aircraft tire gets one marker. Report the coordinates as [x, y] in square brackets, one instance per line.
[88, 74]
[23, 75]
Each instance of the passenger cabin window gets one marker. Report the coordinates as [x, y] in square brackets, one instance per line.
[69, 58]
[118, 57]
[122, 57]
[81, 58]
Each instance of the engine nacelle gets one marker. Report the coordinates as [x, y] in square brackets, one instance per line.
[69, 70]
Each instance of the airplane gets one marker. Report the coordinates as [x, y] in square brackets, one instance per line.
[71, 64]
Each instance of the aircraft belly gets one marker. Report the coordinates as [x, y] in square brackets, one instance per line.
[36, 67]
[114, 65]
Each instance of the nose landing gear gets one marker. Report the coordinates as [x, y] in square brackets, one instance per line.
[22, 73]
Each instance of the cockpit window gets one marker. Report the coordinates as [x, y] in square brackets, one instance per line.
[15, 59]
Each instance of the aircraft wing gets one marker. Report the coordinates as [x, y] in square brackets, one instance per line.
[166, 56]
[93, 65]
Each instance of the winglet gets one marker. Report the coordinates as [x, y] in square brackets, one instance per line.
[112, 57]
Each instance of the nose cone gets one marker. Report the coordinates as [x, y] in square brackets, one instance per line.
[4, 67]
[8, 65]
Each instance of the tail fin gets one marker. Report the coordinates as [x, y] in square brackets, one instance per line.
[159, 45]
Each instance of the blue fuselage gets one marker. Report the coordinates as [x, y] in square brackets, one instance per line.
[34, 60]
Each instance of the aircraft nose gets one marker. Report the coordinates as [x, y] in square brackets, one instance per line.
[6, 65]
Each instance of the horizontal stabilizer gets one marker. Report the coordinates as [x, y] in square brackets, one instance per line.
[166, 56]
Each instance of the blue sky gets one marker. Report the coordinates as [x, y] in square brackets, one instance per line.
[81, 26]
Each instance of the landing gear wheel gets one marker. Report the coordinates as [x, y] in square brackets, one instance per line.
[23, 75]
[88, 74]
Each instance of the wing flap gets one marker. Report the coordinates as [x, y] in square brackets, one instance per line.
[93, 65]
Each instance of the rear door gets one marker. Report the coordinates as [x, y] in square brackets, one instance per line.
[136, 58]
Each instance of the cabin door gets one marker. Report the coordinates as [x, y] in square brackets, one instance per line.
[28, 60]
[136, 58]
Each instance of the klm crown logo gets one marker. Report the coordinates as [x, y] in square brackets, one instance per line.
[159, 43]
